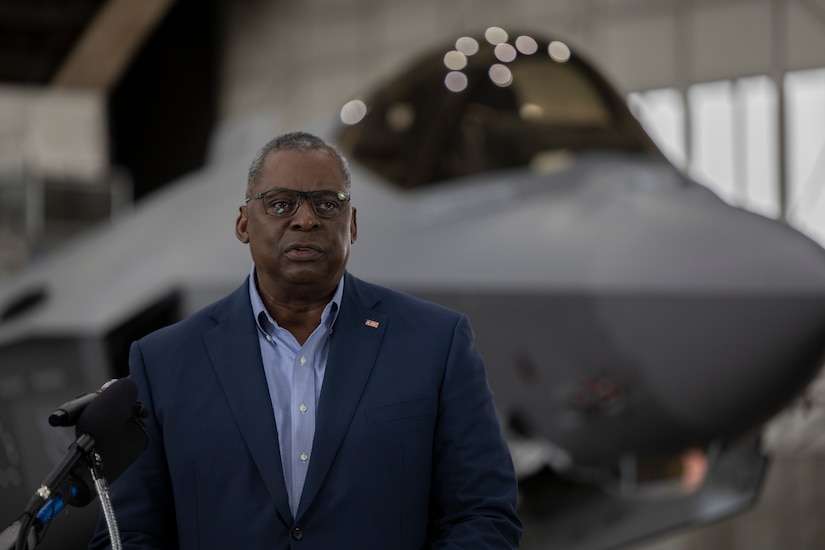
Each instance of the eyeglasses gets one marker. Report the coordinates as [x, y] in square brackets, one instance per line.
[283, 203]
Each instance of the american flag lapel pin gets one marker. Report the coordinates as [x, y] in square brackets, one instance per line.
[372, 324]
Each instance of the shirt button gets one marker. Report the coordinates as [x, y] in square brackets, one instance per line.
[304, 457]
[303, 360]
[302, 408]
[268, 338]
[297, 533]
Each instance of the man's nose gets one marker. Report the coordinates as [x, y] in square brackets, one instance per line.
[305, 216]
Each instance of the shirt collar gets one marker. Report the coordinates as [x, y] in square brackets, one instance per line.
[328, 316]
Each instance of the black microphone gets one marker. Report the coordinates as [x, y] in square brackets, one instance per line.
[106, 414]
[68, 413]
[97, 425]
[117, 455]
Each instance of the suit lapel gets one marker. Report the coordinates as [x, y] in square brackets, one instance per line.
[355, 341]
[236, 357]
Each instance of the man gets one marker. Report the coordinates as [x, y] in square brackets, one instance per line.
[309, 409]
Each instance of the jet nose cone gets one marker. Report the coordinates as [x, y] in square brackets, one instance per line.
[710, 320]
[690, 241]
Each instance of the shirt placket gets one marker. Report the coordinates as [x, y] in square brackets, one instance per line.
[303, 420]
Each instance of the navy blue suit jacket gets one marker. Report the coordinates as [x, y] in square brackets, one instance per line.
[408, 452]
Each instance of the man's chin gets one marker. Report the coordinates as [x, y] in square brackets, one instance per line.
[308, 275]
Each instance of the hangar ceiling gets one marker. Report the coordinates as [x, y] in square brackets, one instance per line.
[35, 36]
[86, 43]
[643, 44]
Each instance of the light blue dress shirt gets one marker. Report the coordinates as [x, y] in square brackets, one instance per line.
[294, 374]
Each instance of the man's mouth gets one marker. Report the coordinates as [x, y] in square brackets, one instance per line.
[302, 252]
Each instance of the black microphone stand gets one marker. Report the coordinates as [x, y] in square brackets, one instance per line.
[26, 532]
[28, 536]
[79, 450]
[8, 538]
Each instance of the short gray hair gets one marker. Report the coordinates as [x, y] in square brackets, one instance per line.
[294, 141]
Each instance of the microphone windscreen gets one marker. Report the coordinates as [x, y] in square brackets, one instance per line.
[117, 455]
[119, 452]
[105, 415]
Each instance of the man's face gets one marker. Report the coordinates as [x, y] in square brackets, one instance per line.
[304, 252]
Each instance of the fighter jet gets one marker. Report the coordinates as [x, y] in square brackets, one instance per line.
[638, 331]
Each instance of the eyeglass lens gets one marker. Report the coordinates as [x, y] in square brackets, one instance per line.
[285, 202]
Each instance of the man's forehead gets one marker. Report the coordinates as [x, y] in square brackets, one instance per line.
[302, 165]
[321, 155]
[319, 159]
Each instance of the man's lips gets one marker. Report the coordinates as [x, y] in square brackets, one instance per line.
[302, 251]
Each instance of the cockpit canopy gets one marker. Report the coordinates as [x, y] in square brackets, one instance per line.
[487, 104]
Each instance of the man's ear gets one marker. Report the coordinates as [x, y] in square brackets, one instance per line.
[353, 226]
[240, 226]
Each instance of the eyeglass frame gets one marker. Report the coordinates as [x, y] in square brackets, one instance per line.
[342, 196]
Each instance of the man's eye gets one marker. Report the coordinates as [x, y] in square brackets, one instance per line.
[280, 205]
[326, 206]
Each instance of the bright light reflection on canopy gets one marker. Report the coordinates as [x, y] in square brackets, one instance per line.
[505, 52]
[527, 45]
[466, 45]
[530, 111]
[558, 51]
[495, 35]
[353, 111]
[455, 81]
[400, 117]
[455, 60]
[500, 75]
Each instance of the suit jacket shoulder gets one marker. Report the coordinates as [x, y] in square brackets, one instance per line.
[235, 306]
[391, 300]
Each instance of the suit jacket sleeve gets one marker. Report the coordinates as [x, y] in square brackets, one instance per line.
[474, 490]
